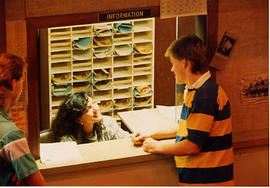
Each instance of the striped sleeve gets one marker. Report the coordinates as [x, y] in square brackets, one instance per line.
[16, 151]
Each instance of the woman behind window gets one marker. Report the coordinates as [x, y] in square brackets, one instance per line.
[80, 120]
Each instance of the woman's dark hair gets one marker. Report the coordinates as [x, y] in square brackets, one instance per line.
[65, 122]
[192, 49]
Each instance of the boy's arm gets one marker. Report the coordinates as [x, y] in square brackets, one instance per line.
[184, 147]
[169, 132]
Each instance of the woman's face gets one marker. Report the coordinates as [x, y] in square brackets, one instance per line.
[90, 116]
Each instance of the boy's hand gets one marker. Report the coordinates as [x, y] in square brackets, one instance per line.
[150, 145]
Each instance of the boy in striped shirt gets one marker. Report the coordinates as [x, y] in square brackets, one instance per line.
[203, 147]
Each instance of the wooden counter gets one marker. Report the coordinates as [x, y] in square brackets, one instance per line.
[120, 163]
[115, 162]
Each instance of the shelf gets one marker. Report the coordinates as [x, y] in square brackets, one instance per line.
[105, 106]
[138, 57]
[54, 44]
[60, 49]
[81, 32]
[122, 39]
[142, 80]
[60, 60]
[142, 69]
[123, 50]
[55, 38]
[82, 65]
[143, 61]
[123, 93]
[60, 70]
[58, 55]
[102, 95]
[123, 103]
[121, 83]
[81, 86]
[122, 61]
[59, 31]
[108, 60]
[121, 72]
[143, 37]
[59, 34]
[82, 54]
[142, 26]
[102, 63]
[56, 101]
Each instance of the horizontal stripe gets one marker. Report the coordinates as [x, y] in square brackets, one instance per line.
[205, 159]
[206, 175]
[182, 129]
[220, 128]
[15, 149]
[225, 113]
[25, 166]
[222, 98]
[14, 133]
[218, 143]
[198, 137]
[205, 106]
[201, 122]
[221, 184]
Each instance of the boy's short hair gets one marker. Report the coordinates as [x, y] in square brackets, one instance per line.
[192, 49]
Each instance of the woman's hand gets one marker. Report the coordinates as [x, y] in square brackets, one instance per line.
[138, 139]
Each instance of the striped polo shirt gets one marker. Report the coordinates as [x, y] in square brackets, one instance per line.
[15, 156]
[206, 121]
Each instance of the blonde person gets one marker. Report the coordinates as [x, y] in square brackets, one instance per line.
[79, 119]
[17, 165]
[203, 147]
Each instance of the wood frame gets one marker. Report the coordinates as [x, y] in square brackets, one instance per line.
[32, 26]
[212, 30]
[47, 99]
[2, 26]
[251, 143]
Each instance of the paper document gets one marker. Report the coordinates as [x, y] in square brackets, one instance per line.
[171, 112]
[151, 120]
[60, 152]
